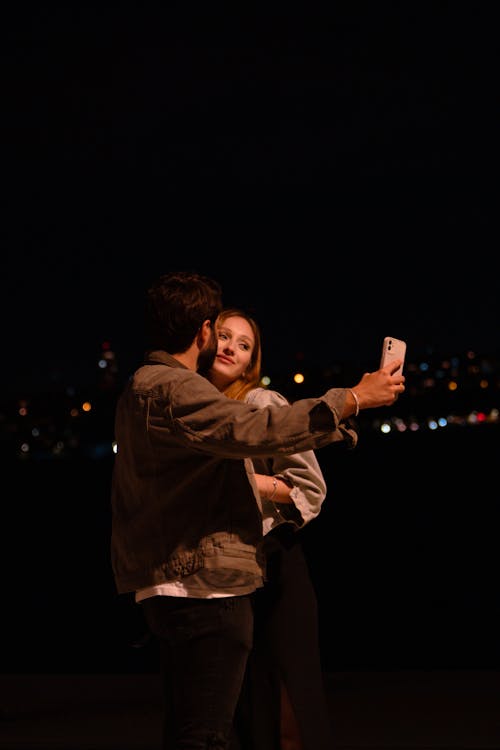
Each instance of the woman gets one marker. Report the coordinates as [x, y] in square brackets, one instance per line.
[283, 703]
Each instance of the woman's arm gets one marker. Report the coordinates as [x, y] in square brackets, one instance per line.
[273, 488]
[294, 479]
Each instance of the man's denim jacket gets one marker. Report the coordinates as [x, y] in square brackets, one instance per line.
[183, 496]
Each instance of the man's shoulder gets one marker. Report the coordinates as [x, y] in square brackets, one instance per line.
[162, 377]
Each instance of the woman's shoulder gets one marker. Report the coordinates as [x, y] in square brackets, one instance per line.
[265, 396]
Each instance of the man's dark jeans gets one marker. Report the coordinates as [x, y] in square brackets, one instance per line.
[204, 647]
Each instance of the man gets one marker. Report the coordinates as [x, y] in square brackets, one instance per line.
[186, 522]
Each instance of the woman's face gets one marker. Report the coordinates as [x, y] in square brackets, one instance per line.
[234, 351]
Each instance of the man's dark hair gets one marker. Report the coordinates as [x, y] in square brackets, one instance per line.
[177, 304]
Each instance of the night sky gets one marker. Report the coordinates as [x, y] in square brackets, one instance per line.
[333, 170]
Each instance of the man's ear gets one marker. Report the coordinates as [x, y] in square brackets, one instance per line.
[204, 333]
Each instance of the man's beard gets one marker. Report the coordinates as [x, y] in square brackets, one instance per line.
[207, 355]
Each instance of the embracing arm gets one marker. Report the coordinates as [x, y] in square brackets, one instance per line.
[289, 480]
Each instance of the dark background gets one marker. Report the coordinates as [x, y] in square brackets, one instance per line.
[332, 168]
[335, 171]
[404, 558]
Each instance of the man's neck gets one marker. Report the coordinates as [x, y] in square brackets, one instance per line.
[189, 358]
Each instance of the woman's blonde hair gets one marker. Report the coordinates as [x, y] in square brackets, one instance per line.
[251, 377]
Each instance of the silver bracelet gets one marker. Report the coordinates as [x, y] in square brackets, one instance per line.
[275, 487]
[356, 399]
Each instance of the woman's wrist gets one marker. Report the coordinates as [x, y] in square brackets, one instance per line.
[274, 489]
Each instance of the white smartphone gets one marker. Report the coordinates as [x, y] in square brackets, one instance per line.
[393, 348]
